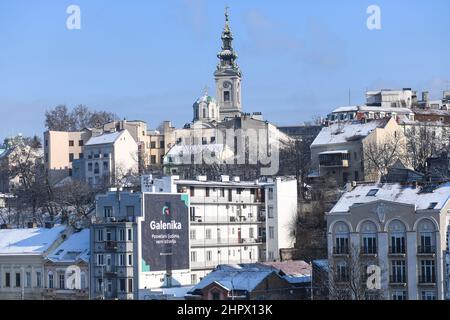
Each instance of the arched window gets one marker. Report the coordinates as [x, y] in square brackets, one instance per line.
[204, 112]
[341, 238]
[96, 168]
[368, 237]
[397, 236]
[426, 237]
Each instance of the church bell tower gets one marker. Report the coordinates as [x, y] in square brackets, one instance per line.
[228, 76]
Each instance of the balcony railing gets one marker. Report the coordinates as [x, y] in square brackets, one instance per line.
[341, 250]
[368, 250]
[426, 249]
[226, 241]
[427, 279]
[111, 245]
[397, 250]
[398, 279]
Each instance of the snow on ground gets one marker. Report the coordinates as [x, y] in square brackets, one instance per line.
[28, 241]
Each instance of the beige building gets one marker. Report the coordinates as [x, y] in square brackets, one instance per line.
[61, 148]
[339, 149]
[403, 230]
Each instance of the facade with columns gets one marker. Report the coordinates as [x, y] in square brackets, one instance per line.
[401, 229]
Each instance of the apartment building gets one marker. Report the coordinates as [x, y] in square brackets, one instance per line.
[401, 229]
[22, 258]
[339, 149]
[114, 260]
[61, 148]
[230, 221]
[108, 158]
[235, 221]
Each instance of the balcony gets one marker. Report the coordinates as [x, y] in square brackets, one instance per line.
[111, 245]
[398, 280]
[334, 159]
[397, 251]
[341, 251]
[368, 251]
[226, 242]
[426, 250]
[427, 279]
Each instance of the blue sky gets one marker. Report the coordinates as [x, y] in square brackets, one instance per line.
[151, 59]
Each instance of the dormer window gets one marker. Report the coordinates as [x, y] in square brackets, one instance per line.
[372, 192]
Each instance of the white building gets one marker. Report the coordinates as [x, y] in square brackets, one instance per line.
[235, 221]
[108, 158]
[22, 254]
[401, 229]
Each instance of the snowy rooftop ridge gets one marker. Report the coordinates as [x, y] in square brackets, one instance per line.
[415, 196]
[105, 138]
[345, 131]
[73, 249]
[32, 241]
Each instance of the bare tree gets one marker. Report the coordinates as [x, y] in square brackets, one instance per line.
[379, 156]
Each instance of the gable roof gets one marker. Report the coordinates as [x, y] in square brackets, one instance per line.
[347, 131]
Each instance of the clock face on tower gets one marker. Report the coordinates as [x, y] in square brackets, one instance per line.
[226, 85]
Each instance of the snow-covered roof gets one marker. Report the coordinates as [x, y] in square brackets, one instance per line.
[105, 138]
[243, 277]
[32, 241]
[335, 152]
[366, 108]
[181, 153]
[73, 249]
[346, 109]
[416, 196]
[345, 131]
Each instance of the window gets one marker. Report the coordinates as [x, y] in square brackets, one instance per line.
[90, 167]
[208, 255]
[130, 285]
[398, 271]
[212, 139]
[83, 280]
[71, 144]
[96, 168]
[130, 259]
[99, 235]
[50, 280]
[193, 279]
[153, 159]
[192, 213]
[222, 192]
[130, 235]
[193, 256]
[341, 238]
[80, 143]
[18, 279]
[397, 235]
[204, 141]
[192, 191]
[399, 295]
[342, 272]
[226, 96]
[108, 235]
[427, 272]
[270, 193]
[100, 260]
[7, 280]
[109, 285]
[239, 190]
[122, 285]
[107, 211]
[100, 285]
[270, 212]
[432, 205]
[208, 234]
[121, 260]
[192, 234]
[426, 237]
[80, 156]
[62, 281]
[28, 279]
[38, 279]
[71, 157]
[428, 295]
[153, 145]
[207, 192]
[271, 233]
[121, 234]
[161, 144]
[105, 165]
[130, 211]
[372, 192]
[251, 233]
[369, 238]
